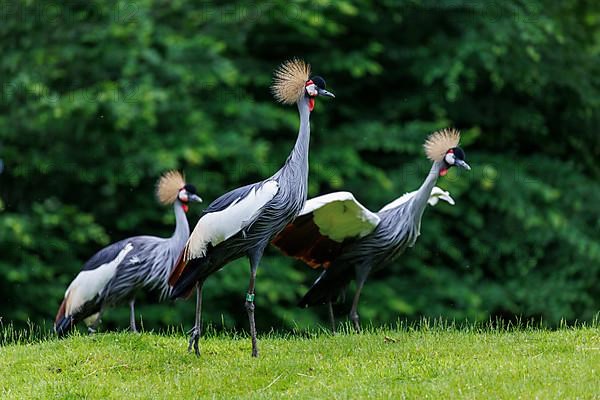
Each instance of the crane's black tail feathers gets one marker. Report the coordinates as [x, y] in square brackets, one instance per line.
[63, 324]
[194, 272]
[328, 287]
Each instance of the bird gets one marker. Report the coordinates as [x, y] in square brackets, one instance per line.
[117, 272]
[336, 233]
[329, 222]
[242, 222]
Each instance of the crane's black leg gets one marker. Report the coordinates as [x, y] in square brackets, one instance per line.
[254, 258]
[197, 329]
[132, 326]
[361, 277]
[331, 316]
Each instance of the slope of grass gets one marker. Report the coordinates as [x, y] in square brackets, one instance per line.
[406, 363]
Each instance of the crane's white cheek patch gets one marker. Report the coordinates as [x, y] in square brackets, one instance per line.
[219, 226]
[88, 284]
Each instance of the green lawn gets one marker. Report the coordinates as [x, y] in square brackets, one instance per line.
[418, 363]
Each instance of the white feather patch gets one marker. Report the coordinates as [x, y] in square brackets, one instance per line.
[339, 216]
[219, 226]
[88, 284]
[436, 195]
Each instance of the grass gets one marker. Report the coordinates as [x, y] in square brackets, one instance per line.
[426, 361]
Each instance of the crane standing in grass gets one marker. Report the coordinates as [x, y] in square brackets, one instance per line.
[243, 221]
[115, 273]
[349, 241]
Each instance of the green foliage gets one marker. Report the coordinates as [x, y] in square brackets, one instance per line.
[99, 98]
[427, 362]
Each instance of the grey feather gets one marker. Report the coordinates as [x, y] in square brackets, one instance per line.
[145, 267]
[149, 264]
[398, 229]
[272, 218]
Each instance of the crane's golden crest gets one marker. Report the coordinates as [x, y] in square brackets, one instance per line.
[438, 143]
[289, 80]
[168, 186]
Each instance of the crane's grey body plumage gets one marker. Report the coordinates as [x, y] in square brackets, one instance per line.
[338, 234]
[291, 181]
[272, 218]
[398, 229]
[146, 264]
[149, 264]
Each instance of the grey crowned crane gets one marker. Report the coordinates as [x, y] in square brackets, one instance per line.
[348, 241]
[243, 222]
[114, 274]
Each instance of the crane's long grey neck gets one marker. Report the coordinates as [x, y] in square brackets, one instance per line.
[182, 228]
[299, 154]
[419, 201]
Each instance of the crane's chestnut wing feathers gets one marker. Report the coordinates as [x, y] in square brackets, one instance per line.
[324, 225]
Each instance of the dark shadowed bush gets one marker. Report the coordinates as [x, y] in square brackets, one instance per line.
[99, 98]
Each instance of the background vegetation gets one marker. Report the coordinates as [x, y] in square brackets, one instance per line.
[99, 98]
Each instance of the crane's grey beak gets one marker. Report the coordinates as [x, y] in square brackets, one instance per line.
[462, 164]
[194, 198]
[323, 92]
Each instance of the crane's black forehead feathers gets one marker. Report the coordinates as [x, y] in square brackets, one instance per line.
[459, 153]
[190, 188]
[319, 81]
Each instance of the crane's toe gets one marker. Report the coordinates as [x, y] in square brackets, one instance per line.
[194, 338]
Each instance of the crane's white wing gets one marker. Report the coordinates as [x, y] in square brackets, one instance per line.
[436, 195]
[217, 226]
[340, 216]
[92, 280]
[325, 222]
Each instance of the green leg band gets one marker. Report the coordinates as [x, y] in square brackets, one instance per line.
[250, 297]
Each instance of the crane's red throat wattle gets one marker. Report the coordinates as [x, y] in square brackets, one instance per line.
[311, 103]
[185, 207]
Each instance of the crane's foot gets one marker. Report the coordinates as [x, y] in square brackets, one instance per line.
[356, 322]
[194, 338]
